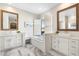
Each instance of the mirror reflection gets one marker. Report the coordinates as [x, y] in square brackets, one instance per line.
[9, 20]
[67, 19]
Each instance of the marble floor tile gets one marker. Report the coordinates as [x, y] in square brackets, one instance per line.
[28, 50]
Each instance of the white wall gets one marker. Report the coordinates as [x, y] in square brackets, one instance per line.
[52, 21]
[23, 17]
[48, 22]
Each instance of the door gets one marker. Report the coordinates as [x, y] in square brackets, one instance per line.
[55, 43]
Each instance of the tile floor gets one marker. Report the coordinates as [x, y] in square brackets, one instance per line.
[28, 50]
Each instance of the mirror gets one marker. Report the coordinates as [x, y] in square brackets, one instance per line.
[67, 19]
[9, 20]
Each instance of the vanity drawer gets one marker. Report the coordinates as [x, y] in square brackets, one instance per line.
[74, 42]
[73, 52]
[73, 47]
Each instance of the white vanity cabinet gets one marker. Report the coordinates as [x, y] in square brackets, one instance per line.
[10, 41]
[60, 44]
[66, 45]
[19, 40]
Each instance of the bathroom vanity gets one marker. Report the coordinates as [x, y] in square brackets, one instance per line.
[10, 40]
[66, 44]
[9, 26]
[67, 40]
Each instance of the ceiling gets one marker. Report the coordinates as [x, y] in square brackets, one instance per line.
[36, 8]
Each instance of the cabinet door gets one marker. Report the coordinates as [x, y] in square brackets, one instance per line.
[19, 40]
[63, 46]
[1, 43]
[10, 42]
[55, 43]
[13, 42]
[19, 43]
[7, 42]
[48, 42]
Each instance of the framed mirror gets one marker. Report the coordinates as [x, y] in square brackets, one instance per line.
[9, 20]
[67, 19]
